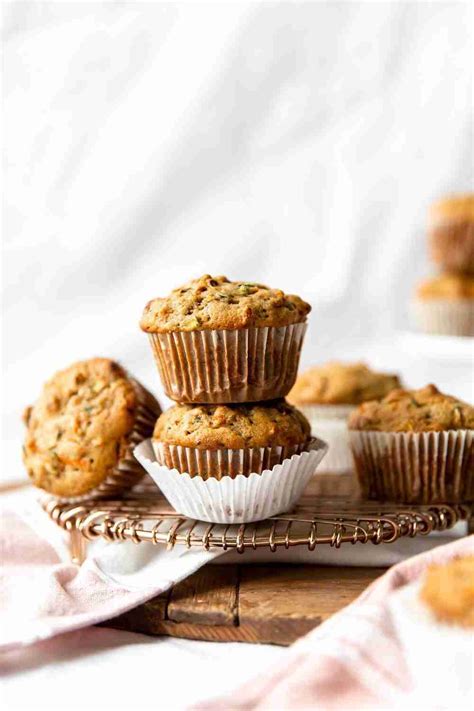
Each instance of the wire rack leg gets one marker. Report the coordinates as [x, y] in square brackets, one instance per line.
[77, 547]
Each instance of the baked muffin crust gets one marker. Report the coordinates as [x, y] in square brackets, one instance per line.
[78, 428]
[448, 590]
[424, 410]
[212, 427]
[458, 208]
[337, 383]
[217, 303]
[447, 286]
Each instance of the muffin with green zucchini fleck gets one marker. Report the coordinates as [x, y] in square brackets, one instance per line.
[83, 427]
[218, 341]
[227, 440]
[415, 446]
[232, 463]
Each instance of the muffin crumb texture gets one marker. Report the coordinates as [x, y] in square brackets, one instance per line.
[448, 591]
[424, 410]
[232, 426]
[77, 430]
[341, 383]
[453, 287]
[217, 303]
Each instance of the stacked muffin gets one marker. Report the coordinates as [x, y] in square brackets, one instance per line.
[232, 449]
[327, 394]
[445, 303]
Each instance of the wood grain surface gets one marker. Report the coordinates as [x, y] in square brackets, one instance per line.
[271, 603]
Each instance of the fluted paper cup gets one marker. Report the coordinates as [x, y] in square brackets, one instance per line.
[218, 463]
[415, 467]
[219, 366]
[440, 656]
[330, 423]
[449, 318]
[239, 499]
[127, 472]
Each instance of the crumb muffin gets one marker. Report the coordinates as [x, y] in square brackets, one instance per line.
[81, 430]
[415, 446]
[328, 393]
[218, 341]
[451, 233]
[448, 591]
[445, 305]
[221, 440]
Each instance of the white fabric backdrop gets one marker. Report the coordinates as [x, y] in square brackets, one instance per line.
[295, 144]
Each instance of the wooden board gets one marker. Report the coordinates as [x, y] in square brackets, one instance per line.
[271, 603]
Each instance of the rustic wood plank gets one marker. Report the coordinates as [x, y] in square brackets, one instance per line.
[208, 597]
[147, 618]
[280, 603]
[271, 603]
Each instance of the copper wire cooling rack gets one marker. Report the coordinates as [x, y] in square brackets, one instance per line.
[323, 515]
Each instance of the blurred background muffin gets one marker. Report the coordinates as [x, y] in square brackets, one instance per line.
[83, 427]
[445, 304]
[451, 234]
[414, 446]
[328, 393]
[448, 591]
[218, 341]
[228, 440]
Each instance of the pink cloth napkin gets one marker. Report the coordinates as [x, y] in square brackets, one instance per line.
[354, 660]
[43, 594]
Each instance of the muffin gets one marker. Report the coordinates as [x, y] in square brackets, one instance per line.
[217, 341]
[231, 463]
[414, 446]
[228, 440]
[451, 233]
[328, 393]
[448, 591]
[82, 429]
[445, 305]
[434, 619]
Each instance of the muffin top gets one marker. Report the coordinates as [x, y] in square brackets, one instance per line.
[447, 286]
[424, 410]
[275, 423]
[448, 590]
[341, 383]
[77, 430]
[217, 303]
[457, 208]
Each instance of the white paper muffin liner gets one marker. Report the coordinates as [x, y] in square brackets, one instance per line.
[449, 318]
[221, 462]
[235, 500]
[440, 657]
[128, 472]
[219, 366]
[415, 467]
[329, 422]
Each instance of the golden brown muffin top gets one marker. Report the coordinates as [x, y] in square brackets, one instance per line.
[447, 286]
[77, 429]
[458, 208]
[337, 383]
[275, 423]
[448, 590]
[424, 410]
[217, 303]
